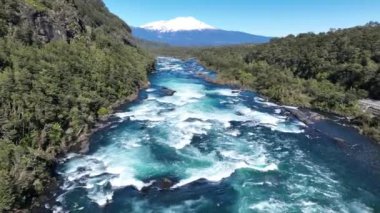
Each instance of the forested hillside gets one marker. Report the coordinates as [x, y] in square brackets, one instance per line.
[63, 64]
[327, 71]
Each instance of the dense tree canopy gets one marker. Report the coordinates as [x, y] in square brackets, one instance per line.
[327, 71]
[63, 64]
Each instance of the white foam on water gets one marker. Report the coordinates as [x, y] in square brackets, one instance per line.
[58, 209]
[270, 167]
[189, 100]
[90, 165]
[270, 205]
[164, 59]
[113, 164]
[185, 93]
[256, 161]
[70, 156]
[186, 131]
[124, 179]
[100, 198]
[274, 122]
[174, 121]
[224, 168]
[233, 132]
[169, 64]
[263, 102]
[289, 107]
[150, 90]
[262, 118]
[288, 128]
[225, 92]
[181, 131]
[147, 110]
[216, 173]
[132, 144]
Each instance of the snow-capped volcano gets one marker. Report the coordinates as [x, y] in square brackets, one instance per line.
[178, 24]
[188, 31]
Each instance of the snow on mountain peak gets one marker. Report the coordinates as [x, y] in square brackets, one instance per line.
[178, 24]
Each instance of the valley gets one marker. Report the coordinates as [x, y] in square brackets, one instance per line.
[261, 108]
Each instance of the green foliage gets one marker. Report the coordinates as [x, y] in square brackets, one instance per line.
[52, 91]
[102, 111]
[3, 28]
[36, 4]
[55, 134]
[7, 196]
[327, 71]
[20, 168]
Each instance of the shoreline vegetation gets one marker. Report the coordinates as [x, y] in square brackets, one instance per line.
[306, 115]
[83, 143]
[360, 120]
[64, 66]
[327, 72]
[81, 146]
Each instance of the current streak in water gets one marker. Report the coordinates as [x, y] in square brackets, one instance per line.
[210, 148]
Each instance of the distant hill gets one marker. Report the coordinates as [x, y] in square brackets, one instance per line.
[188, 31]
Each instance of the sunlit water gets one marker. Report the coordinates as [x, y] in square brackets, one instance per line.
[217, 150]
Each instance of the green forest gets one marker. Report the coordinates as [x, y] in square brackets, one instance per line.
[63, 65]
[66, 64]
[328, 71]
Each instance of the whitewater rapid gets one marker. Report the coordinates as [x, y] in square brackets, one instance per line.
[221, 149]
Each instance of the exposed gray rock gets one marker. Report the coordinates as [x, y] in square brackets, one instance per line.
[308, 117]
[167, 92]
[165, 183]
[61, 20]
[370, 106]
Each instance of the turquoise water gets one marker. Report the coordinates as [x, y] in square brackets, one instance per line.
[210, 148]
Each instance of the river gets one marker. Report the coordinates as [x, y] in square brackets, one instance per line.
[211, 148]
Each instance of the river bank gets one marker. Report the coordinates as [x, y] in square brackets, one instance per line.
[185, 136]
[81, 146]
[307, 114]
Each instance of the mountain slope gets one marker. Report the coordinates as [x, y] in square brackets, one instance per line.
[188, 31]
[63, 65]
[199, 37]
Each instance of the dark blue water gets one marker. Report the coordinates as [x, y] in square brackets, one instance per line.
[210, 148]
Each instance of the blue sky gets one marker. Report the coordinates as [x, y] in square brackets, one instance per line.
[262, 17]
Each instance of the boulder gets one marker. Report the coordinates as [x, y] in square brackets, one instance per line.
[193, 120]
[165, 183]
[306, 117]
[167, 92]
